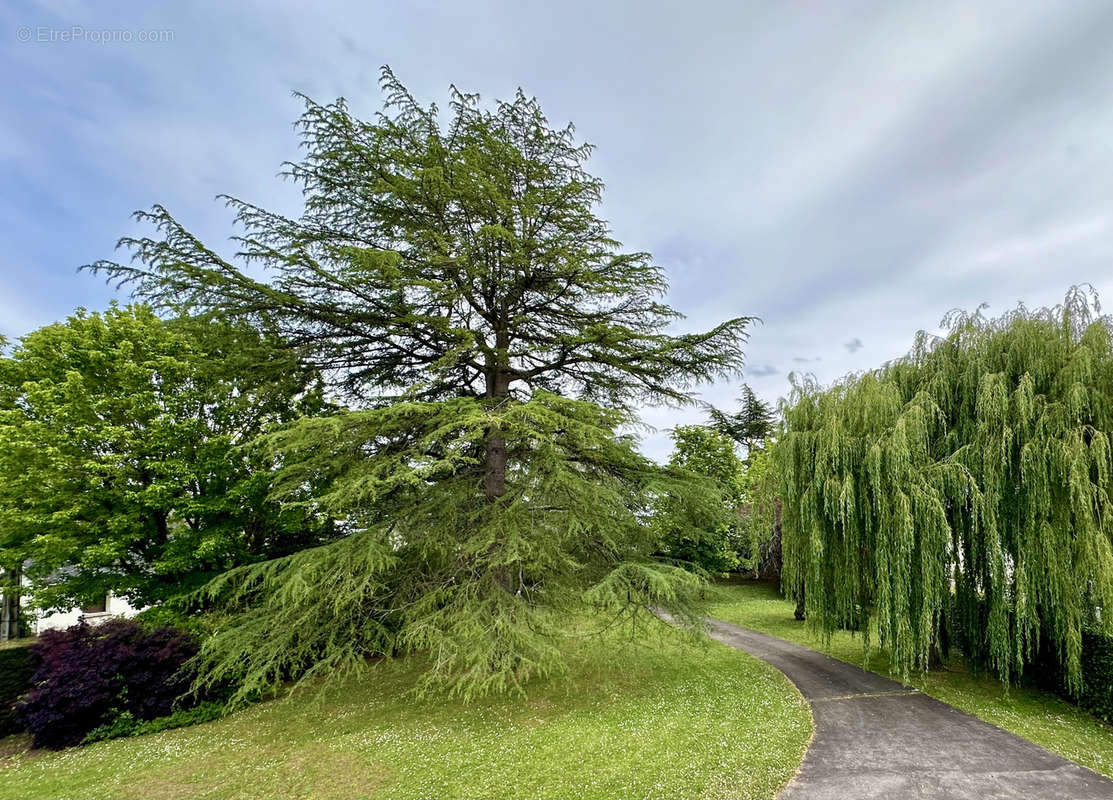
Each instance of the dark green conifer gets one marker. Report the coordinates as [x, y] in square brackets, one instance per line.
[451, 277]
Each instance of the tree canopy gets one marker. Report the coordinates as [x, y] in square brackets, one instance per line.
[451, 278]
[750, 425]
[123, 458]
[961, 492]
[686, 532]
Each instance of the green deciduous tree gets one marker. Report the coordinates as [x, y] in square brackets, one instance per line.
[450, 275]
[687, 532]
[760, 513]
[122, 458]
[758, 528]
[962, 489]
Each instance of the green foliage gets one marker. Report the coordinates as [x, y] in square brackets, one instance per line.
[428, 566]
[750, 425]
[709, 453]
[451, 278]
[434, 260]
[733, 523]
[702, 534]
[127, 725]
[17, 664]
[758, 528]
[760, 512]
[1095, 694]
[175, 616]
[978, 466]
[317, 612]
[123, 458]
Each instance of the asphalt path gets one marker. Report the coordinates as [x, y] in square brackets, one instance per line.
[877, 738]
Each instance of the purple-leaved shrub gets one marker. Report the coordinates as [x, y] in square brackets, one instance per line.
[89, 676]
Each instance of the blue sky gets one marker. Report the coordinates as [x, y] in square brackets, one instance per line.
[847, 171]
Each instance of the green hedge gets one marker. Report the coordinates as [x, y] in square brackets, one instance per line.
[1046, 671]
[16, 667]
[1097, 676]
[1096, 693]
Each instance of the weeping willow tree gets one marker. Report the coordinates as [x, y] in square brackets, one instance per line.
[962, 492]
[450, 276]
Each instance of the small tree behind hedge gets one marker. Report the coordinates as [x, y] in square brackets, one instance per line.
[90, 676]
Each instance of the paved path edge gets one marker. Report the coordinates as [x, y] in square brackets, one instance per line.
[900, 742]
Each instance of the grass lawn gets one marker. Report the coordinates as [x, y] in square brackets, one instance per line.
[1038, 716]
[661, 718]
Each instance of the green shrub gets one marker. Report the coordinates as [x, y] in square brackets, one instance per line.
[17, 664]
[1096, 695]
[166, 616]
[127, 725]
[1096, 692]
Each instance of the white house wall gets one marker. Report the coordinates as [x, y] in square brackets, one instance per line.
[60, 620]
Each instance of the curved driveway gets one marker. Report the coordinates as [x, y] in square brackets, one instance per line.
[876, 738]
